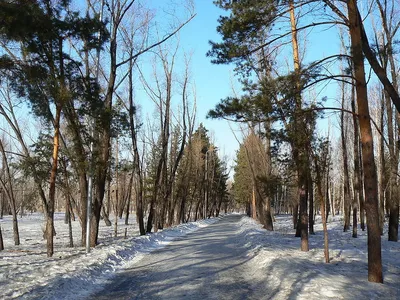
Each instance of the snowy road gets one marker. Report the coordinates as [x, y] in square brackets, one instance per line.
[206, 264]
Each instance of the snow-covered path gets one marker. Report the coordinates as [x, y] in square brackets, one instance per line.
[205, 264]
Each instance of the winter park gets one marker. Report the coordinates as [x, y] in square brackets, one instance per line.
[198, 149]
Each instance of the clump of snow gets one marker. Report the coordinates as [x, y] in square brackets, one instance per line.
[283, 270]
[27, 272]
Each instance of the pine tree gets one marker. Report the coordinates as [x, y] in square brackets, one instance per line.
[43, 72]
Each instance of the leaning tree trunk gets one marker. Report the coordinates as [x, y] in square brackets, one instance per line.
[370, 175]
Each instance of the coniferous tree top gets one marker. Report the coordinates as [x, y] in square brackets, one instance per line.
[246, 27]
[41, 69]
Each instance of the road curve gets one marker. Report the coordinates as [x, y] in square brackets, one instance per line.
[206, 264]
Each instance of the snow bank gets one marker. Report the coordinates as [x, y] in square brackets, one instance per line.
[292, 273]
[27, 273]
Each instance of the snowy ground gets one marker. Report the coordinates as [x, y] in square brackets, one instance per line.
[276, 262]
[26, 272]
[293, 274]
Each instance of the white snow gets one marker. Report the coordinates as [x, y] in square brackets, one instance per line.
[27, 273]
[291, 273]
[276, 263]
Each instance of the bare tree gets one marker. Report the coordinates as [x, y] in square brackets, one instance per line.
[8, 189]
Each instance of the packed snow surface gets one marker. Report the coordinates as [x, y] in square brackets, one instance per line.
[274, 263]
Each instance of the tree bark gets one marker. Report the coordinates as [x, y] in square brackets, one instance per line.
[370, 176]
[322, 205]
[393, 199]
[311, 205]
[300, 143]
[1, 240]
[383, 176]
[253, 203]
[52, 184]
[358, 193]
[9, 192]
[346, 181]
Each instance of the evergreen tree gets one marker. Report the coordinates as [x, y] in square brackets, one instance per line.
[43, 72]
[243, 185]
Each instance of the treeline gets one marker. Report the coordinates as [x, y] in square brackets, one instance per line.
[284, 163]
[74, 77]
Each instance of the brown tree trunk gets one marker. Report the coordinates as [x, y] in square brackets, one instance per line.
[299, 145]
[117, 202]
[295, 214]
[8, 190]
[358, 199]
[128, 202]
[327, 196]
[71, 240]
[322, 205]
[1, 240]
[136, 156]
[393, 199]
[52, 184]
[370, 176]
[253, 203]
[384, 180]
[311, 205]
[358, 193]
[346, 181]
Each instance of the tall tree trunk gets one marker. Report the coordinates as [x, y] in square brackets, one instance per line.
[302, 223]
[128, 202]
[383, 181]
[393, 199]
[358, 200]
[295, 214]
[358, 193]
[327, 195]
[52, 185]
[299, 149]
[71, 240]
[136, 155]
[117, 202]
[322, 205]
[9, 192]
[269, 225]
[253, 203]
[1, 240]
[370, 176]
[104, 134]
[311, 205]
[346, 181]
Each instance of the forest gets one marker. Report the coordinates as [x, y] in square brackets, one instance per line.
[77, 76]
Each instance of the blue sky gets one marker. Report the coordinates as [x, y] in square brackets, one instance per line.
[214, 82]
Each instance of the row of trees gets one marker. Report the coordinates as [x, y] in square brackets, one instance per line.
[281, 111]
[78, 69]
